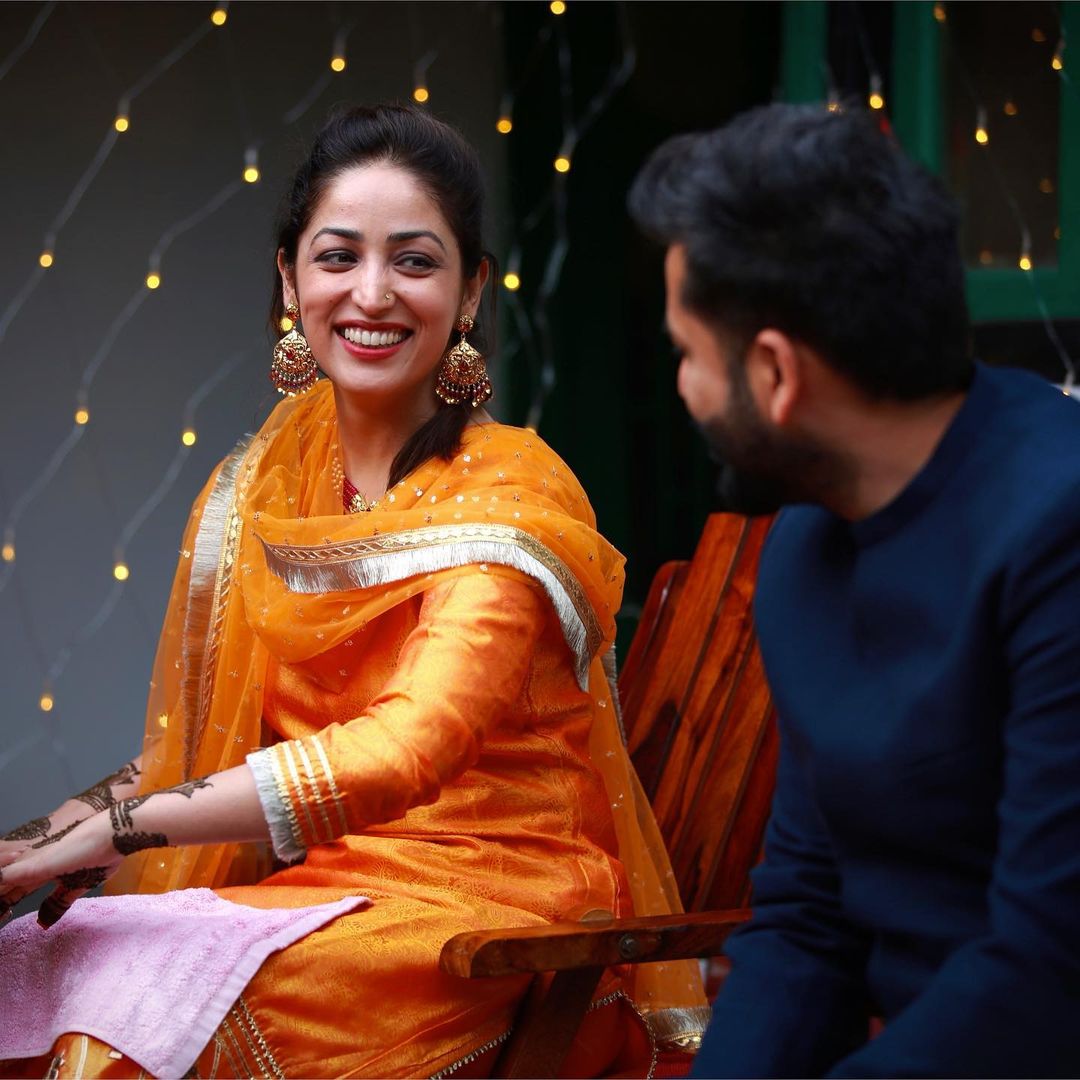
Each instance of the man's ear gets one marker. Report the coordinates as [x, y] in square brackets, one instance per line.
[775, 375]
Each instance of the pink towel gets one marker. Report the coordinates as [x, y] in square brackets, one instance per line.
[153, 976]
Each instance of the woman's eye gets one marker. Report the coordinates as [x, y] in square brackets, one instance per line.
[416, 261]
[335, 258]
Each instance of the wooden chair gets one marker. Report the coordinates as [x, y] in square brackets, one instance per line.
[698, 716]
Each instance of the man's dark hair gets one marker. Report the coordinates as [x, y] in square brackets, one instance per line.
[817, 224]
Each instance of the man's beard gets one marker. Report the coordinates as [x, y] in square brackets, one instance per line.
[761, 469]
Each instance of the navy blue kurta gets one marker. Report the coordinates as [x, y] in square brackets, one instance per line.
[923, 857]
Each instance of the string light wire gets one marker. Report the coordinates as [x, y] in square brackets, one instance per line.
[538, 341]
[89, 174]
[29, 38]
[151, 503]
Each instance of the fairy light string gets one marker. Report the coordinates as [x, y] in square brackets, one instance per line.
[120, 124]
[533, 325]
[982, 136]
[121, 569]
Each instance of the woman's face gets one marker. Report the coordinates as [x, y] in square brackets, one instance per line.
[379, 284]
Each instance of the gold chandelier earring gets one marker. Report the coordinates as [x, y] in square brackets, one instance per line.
[294, 369]
[462, 374]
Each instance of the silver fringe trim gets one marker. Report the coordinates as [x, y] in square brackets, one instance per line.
[204, 599]
[611, 673]
[468, 1059]
[679, 1029]
[382, 560]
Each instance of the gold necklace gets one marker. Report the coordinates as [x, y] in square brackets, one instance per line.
[351, 499]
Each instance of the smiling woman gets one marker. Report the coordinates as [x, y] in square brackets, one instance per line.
[380, 713]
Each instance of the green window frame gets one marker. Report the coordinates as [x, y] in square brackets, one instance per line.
[917, 110]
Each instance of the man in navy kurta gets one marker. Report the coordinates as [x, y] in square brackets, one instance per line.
[918, 609]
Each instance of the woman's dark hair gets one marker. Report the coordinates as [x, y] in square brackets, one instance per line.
[817, 224]
[448, 169]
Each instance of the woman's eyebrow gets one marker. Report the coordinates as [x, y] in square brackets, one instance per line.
[395, 238]
[339, 230]
[415, 234]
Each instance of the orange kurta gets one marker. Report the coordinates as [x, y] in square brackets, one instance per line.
[468, 704]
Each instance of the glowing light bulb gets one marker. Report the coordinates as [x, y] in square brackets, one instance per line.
[939, 12]
[1056, 63]
[504, 125]
[421, 94]
[1046, 186]
[46, 702]
[82, 415]
[986, 257]
[45, 259]
[219, 16]
[337, 63]
[1057, 232]
[251, 174]
[562, 164]
[982, 136]
[188, 437]
[1024, 262]
[122, 123]
[1037, 35]
[153, 280]
[121, 572]
[286, 324]
[8, 552]
[876, 100]
[833, 106]
[558, 7]
[1009, 108]
[512, 281]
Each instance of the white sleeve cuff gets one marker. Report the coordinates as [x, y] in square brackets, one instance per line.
[287, 846]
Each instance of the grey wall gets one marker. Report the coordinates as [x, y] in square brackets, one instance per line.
[60, 607]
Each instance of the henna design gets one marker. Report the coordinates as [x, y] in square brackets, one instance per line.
[125, 839]
[129, 843]
[89, 877]
[120, 816]
[100, 796]
[57, 835]
[32, 830]
[120, 813]
[187, 789]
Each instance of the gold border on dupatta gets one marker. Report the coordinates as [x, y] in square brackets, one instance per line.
[216, 543]
[392, 557]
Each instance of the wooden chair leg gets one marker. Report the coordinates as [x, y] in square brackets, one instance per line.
[547, 1024]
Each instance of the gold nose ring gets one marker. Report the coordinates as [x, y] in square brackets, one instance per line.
[389, 296]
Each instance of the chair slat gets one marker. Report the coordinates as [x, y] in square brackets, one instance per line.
[699, 718]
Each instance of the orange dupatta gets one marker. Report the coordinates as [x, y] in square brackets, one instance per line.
[270, 564]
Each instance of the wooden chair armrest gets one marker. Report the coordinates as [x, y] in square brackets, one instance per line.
[564, 946]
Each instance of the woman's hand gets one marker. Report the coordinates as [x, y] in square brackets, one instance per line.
[79, 860]
[43, 831]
